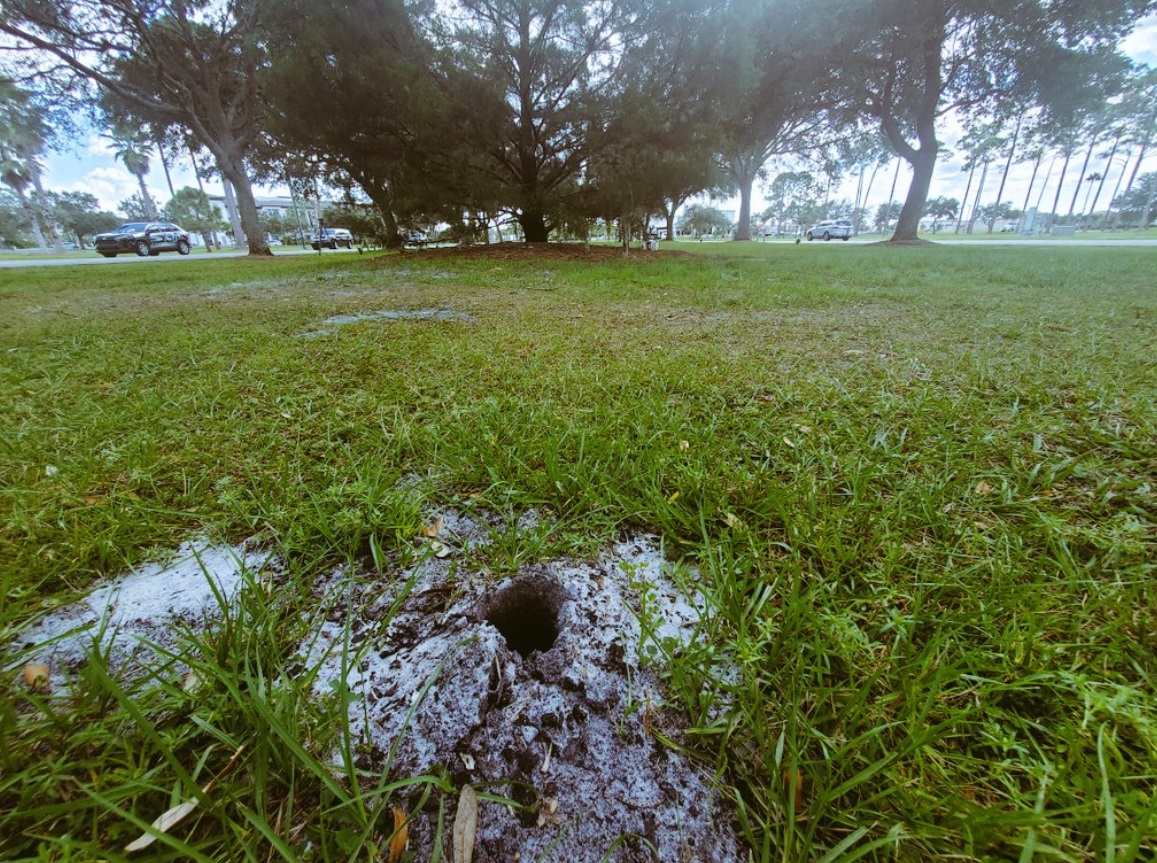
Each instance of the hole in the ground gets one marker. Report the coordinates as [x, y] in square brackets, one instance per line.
[526, 613]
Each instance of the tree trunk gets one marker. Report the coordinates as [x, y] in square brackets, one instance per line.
[146, 199]
[45, 208]
[1116, 191]
[746, 179]
[534, 227]
[247, 208]
[1081, 179]
[1104, 176]
[1007, 164]
[964, 201]
[867, 195]
[383, 199]
[892, 195]
[1031, 182]
[165, 166]
[33, 217]
[1061, 184]
[923, 166]
[1144, 223]
[976, 201]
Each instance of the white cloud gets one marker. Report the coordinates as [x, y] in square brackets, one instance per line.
[98, 146]
[1141, 44]
[109, 185]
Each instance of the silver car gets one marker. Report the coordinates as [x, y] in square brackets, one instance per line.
[831, 229]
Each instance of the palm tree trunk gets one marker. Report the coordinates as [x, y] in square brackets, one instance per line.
[1061, 184]
[1105, 175]
[1084, 167]
[976, 201]
[964, 202]
[1116, 191]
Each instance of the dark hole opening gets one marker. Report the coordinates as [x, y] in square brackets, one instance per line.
[527, 619]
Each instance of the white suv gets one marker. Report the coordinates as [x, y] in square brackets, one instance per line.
[333, 238]
[831, 229]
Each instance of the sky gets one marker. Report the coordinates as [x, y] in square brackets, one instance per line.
[88, 165]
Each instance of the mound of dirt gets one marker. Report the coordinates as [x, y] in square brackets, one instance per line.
[538, 252]
[539, 688]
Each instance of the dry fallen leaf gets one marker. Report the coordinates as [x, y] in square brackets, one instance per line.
[733, 521]
[431, 531]
[163, 824]
[440, 549]
[794, 776]
[789, 442]
[401, 836]
[36, 676]
[192, 682]
[983, 487]
[465, 825]
[177, 814]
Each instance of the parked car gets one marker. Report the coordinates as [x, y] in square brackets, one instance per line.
[417, 238]
[144, 238]
[831, 229]
[332, 238]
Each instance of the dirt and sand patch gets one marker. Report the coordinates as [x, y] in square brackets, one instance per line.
[538, 687]
[145, 607]
[537, 252]
[541, 686]
[330, 324]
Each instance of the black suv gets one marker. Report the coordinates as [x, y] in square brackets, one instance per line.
[144, 238]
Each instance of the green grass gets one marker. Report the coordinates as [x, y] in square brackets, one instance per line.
[918, 489]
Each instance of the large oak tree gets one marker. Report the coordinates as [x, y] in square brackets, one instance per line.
[909, 64]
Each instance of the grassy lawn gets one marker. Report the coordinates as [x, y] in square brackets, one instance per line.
[918, 485]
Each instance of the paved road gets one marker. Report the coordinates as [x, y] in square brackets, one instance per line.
[130, 259]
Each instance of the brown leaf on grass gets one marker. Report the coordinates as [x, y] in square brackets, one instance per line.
[167, 820]
[983, 487]
[465, 825]
[793, 776]
[431, 530]
[36, 676]
[733, 521]
[401, 836]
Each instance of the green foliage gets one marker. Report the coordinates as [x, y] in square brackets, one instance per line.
[942, 207]
[192, 210]
[134, 208]
[1140, 198]
[80, 213]
[916, 498]
[13, 224]
[701, 220]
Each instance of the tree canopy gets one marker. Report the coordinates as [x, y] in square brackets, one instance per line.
[557, 112]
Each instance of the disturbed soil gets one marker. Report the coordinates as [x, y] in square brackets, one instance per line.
[540, 687]
[538, 252]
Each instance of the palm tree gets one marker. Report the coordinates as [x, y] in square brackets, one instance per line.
[130, 149]
[23, 135]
